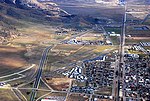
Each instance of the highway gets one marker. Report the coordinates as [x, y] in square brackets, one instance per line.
[120, 65]
[39, 73]
[42, 64]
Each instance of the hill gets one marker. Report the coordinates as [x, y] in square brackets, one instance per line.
[13, 13]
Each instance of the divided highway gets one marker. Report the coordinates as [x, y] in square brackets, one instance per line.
[41, 66]
[120, 67]
[39, 73]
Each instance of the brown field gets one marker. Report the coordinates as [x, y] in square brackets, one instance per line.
[67, 47]
[36, 37]
[7, 95]
[35, 34]
[134, 40]
[11, 58]
[77, 97]
[75, 53]
[58, 83]
[90, 37]
[80, 50]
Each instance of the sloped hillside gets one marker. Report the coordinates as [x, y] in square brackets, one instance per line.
[47, 5]
[12, 13]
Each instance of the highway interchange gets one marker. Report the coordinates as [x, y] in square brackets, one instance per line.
[41, 67]
[119, 71]
[36, 77]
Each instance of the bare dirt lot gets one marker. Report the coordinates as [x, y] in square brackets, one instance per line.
[58, 83]
[11, 58]
[77, 97]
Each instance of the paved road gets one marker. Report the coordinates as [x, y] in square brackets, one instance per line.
[122, 53]
[42, 64]
[19, 95]
[20, 76]
[17, 73]
[121, 57]
[39, 73]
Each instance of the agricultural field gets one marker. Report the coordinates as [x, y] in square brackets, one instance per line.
[91, 36]
[138, 31]
[65, 54]
[136, 40]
